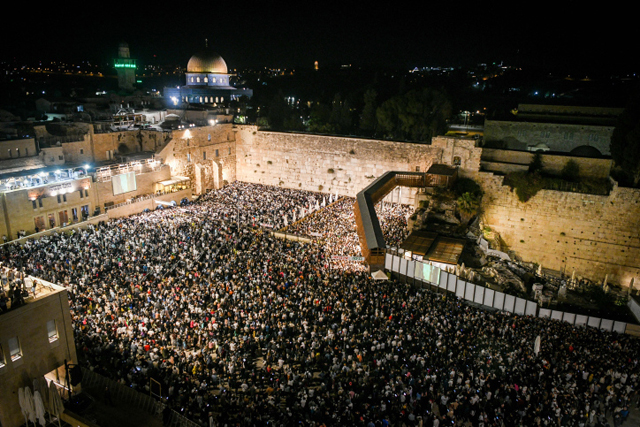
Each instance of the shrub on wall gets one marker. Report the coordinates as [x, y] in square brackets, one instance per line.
[571, 171]
[525, 184]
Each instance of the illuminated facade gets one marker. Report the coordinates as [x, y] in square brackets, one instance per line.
[41, 202]
[207, 84]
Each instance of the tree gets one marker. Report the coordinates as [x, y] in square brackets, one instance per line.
[468, 206]
[278, 111]
[536, 164]
[368, 117]
[625, 141]
[341, 114]
[417, 115]
[571, 171]
[319, 119]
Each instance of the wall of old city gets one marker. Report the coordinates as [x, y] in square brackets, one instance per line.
[338, 164]
[594, 235]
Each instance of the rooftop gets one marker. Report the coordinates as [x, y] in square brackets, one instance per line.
[31, 289]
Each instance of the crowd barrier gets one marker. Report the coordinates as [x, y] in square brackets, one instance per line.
[438, 277]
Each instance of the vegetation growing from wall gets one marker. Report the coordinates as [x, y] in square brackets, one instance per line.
[527, 184]
[469, 195]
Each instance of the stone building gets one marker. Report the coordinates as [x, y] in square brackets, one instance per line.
[583, 131]
[36, 339]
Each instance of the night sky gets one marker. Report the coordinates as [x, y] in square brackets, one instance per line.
[564, 34]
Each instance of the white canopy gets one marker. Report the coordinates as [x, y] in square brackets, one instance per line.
[379, 275]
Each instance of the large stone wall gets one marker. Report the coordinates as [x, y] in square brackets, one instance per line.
[594, 235]
[337, 164]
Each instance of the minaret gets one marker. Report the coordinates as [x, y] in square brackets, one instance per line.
[126, 68]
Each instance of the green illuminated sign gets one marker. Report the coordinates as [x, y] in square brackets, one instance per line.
[125, 63]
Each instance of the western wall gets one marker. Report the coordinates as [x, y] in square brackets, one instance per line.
[336, 164]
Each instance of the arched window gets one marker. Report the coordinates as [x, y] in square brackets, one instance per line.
[197, 79]
[200, 100]
[206, 79]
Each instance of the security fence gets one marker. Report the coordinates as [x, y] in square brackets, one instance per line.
[437, 278]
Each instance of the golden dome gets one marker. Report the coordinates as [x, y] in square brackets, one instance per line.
[207, 62]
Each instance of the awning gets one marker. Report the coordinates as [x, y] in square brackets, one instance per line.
[379, 275]
[174, 180]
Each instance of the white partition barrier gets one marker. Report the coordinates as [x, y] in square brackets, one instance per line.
[470, 291]
[509, 303]
[444, 279]
[388, 261]
[403, 266]
[478, 298]
[532, 308]
[581, 320]
[480, 295]
[460, 285]
[434, 274]
[417, 271]
[520, 306]
[451, 282]
[569, 318]
[395, 266]
[606, 324]
[498, 300]
[488, 297]
[619, 327]
[411, 269]
[594, 322]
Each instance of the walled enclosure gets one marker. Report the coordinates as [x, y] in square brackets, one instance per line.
[595, 235]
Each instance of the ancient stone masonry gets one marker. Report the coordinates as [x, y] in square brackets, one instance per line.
[594, 235]
[206, 155]
[324, 163]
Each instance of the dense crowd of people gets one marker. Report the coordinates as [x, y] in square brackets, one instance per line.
[243, 328]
